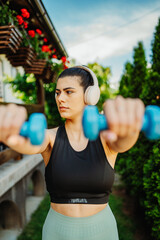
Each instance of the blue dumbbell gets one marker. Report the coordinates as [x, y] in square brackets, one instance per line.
[34, 128]
[93, 122]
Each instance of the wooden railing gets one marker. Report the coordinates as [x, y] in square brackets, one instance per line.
[9, 154]
[31, 108]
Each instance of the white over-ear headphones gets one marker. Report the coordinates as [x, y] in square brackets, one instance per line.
[92, 93]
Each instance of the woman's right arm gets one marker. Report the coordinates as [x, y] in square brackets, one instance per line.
[12, 118]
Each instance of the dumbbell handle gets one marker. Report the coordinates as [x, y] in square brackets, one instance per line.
[104, 124]
[34, 128]
[93, 122]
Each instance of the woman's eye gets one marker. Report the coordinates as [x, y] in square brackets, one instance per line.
[68, 92]
[57, 93]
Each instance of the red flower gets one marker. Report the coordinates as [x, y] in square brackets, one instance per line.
[25, 24]
[20, 19]
[45, 48]
[24, 10]
[25, 13]
[31, 33]
[39, 31]
[63, 59]
[54, 56]
[45, 40]
[54, 50]
[64, 66]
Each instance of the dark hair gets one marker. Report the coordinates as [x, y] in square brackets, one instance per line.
[86, 78]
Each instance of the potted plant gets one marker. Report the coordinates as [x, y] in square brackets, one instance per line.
[25, 54]
[10, 36]
[42, 52]
[53, 68]
[32, 54]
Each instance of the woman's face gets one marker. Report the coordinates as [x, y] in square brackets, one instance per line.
[70, 97]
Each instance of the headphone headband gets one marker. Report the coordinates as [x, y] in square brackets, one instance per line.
[95, 81]
[92, 93]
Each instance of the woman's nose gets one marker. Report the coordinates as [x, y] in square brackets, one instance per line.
[61, 97]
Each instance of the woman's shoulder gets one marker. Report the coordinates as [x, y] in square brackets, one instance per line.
[110, 154]
[51, 135]
[52, 132]
[106, 145]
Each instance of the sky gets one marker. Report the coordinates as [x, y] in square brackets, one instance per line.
[104, 31]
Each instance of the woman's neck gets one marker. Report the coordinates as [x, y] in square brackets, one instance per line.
[74, 128]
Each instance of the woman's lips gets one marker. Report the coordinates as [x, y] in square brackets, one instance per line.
[63, 108]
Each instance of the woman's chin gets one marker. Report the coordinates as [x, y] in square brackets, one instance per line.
[64, 115]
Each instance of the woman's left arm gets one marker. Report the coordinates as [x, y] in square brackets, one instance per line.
[124, 117]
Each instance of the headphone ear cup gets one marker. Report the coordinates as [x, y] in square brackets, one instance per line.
[92, 95]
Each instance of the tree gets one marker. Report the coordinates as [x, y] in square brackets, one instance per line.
[125, 82]
[156, 49]
[151, 89]
[139, 72]
[135, 74]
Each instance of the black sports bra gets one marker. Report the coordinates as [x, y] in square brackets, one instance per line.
[78, 177]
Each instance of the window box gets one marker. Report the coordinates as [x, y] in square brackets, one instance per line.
[37, 67]
[23, 57]
[10, 39]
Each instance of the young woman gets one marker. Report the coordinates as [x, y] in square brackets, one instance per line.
[79, 173]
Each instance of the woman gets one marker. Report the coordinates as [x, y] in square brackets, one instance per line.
[79, 173]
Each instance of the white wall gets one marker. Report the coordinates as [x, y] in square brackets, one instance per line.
[7, 68]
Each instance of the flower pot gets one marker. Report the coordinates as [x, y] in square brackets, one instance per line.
[49, 75]
[23, 57]
[37, 67]
[10, 39]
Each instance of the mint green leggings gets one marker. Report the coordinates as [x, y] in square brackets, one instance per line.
[100, 226]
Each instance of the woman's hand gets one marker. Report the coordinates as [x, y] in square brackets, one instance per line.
[12, 118]
[124, 117]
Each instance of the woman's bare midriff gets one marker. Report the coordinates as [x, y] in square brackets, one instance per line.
[78, 210]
